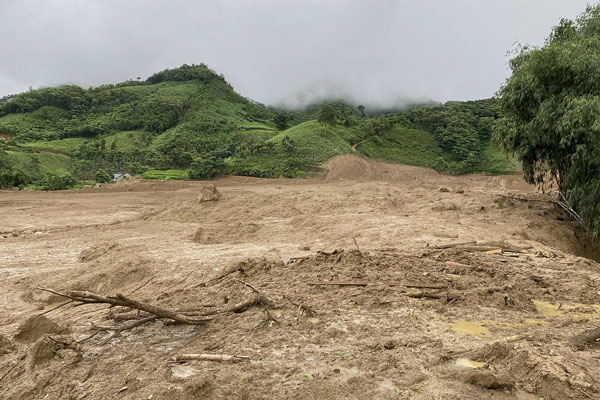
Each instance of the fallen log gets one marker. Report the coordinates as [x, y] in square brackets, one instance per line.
[210, 357]
[366, 283]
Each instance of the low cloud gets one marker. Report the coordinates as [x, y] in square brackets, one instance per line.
[290, 52]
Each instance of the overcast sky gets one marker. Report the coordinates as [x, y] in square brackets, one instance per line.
[377, 51]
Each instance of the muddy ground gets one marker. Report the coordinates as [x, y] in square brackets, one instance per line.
[497, 324]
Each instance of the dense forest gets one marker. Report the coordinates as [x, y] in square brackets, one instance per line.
[551, 113]
[188, 122]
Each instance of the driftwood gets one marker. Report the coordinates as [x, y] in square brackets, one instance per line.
[210, 357]
[455, 264]
[356, 243]
[562, 203]
[86, 297]
[386, 283]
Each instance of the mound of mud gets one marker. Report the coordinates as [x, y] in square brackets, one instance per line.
[231, 233]
[36, 327]
[97, 251]
[6, 346]
[353, 167]
[356, 168]
[208, 193]
[41, 352]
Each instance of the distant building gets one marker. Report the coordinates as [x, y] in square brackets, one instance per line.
[118, 177]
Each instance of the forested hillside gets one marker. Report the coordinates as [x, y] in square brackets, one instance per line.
[188, 122]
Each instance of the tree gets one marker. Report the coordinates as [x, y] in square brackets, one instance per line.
[327, 115]
[282, 120]
[288, 145]
[206, 168]
[102, 176]
[361, 110]
[551, 112]
[59, 182]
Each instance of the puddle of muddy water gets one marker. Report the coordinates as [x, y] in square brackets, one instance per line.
[558, 310]
[470, 328]
[466, 363]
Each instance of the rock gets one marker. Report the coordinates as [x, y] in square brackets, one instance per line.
[459, 191]
[304, 248]
[444, 190]
[208, 193]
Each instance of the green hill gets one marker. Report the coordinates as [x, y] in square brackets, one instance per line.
[191, 119]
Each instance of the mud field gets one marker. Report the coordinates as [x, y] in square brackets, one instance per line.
[450, 291]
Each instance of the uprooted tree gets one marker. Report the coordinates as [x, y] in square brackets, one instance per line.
[551, 113]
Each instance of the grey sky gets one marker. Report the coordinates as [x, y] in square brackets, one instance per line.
[377, 51]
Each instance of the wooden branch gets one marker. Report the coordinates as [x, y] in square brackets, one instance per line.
[57, 307]
[210, 357]
[366, 283]
[246, 284]
[306, 309]
[356, 243]
[222, 276]
[141, 286]
[161, 312]
[455, 264]
[124, 327]
[120, 300]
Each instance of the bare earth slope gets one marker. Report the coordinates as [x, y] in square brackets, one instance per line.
[500, 326]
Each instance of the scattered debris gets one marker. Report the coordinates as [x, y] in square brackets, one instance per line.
[366, 283]
[210, 357]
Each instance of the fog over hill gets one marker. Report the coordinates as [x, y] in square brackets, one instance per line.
[294, 52]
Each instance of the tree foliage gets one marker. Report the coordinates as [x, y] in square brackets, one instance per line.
[327, 115]
[551, 112]
[282, 120]
[459, 128]
[206, 167]
[102, 176]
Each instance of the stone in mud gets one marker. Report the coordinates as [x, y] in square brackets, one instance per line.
[208, 193]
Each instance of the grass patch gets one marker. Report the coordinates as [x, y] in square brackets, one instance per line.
[494, 161]
[66, 146]
[48, 163]
[166, 174]
[316, 143]
[405, 146]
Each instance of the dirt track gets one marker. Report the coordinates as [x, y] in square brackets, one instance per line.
[499, 330]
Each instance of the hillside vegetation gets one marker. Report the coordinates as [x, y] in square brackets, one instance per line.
[188, 122]
[551, 113]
